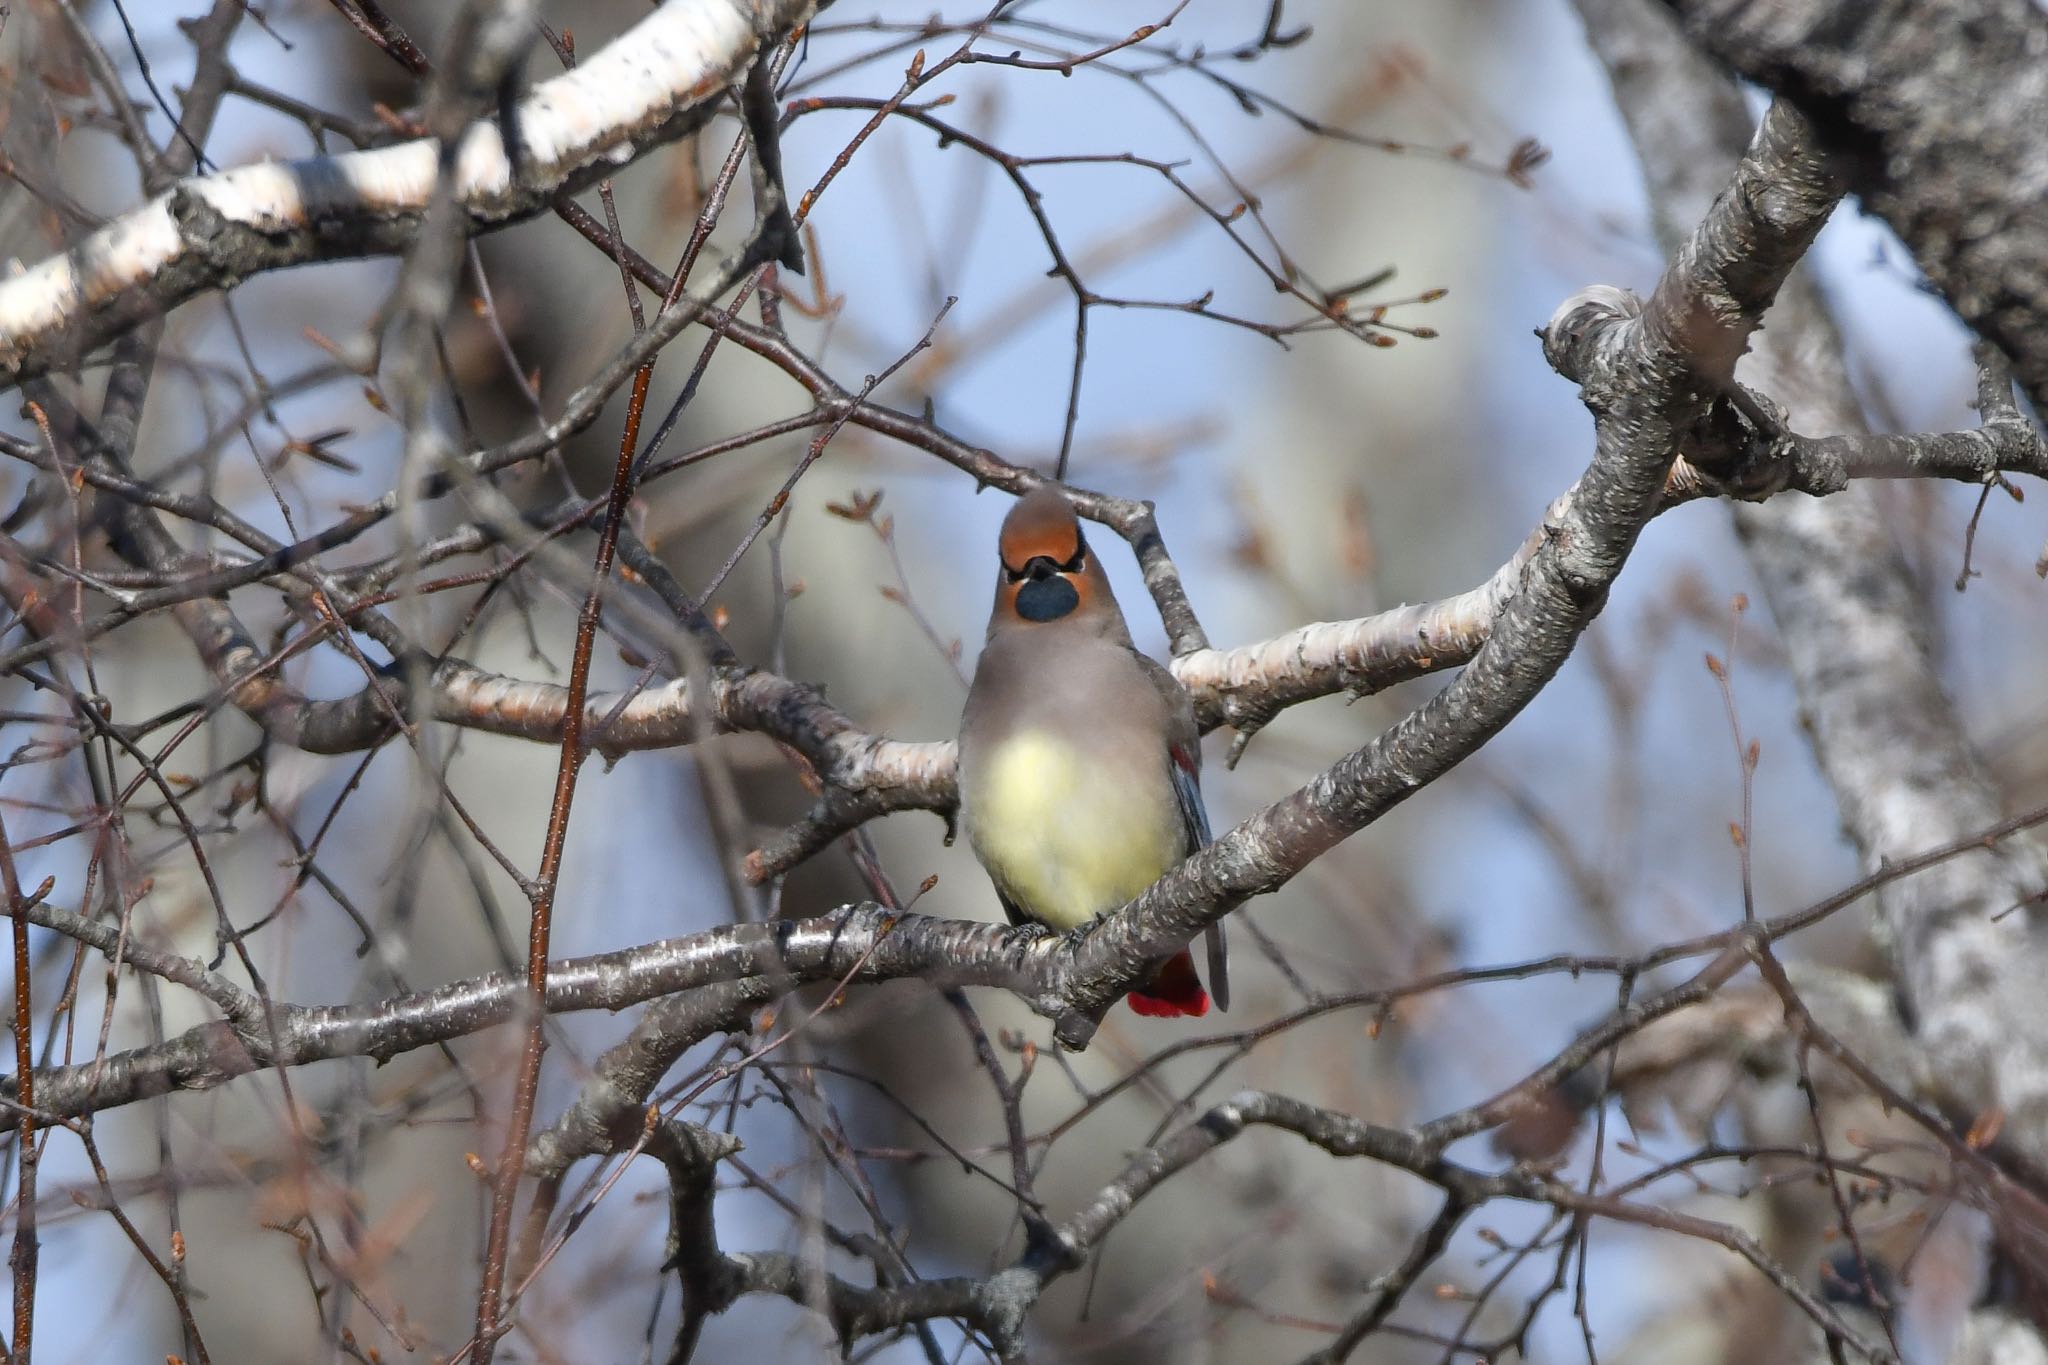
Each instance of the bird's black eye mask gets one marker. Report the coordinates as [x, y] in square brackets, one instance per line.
[1045, 566]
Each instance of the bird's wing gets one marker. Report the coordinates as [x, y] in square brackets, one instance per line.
[1184, 767]
[1017, 917]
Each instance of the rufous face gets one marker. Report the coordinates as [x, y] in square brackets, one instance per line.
[1047, 573]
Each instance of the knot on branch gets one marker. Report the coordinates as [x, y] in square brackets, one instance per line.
[1002, 1303]
[1585, 335]
[1246, 716]
[692, 1148]
[1744, 449]
[1075, 1029]
[1772, 454]
[200, 224]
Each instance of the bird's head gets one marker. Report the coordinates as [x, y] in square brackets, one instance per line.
[1048, 573]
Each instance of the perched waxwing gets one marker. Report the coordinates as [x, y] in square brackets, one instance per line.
[1080, 759]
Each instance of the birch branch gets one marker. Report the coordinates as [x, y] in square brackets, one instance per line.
[651, 85]
[1856, 635]
[1935, 112]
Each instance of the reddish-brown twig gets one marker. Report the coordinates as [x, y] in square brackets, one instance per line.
[505, 1181]
[23, 1257]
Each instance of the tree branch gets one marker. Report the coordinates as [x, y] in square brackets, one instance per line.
[1899, 91]
[1856, 637]
[654, 84]
[1647, 376]
[1855, 628]
[997, 1304]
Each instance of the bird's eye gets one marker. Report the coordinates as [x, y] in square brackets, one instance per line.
[1077, 563]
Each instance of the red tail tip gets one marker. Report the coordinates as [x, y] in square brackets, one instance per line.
[1173, 992]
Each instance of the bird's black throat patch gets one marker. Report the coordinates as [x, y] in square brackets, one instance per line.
[1046, 599]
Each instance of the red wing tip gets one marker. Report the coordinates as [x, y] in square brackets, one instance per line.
[1158, 1007]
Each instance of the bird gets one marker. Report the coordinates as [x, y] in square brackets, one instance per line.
[1080, 758]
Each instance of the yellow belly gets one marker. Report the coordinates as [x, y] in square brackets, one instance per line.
[1064, 844]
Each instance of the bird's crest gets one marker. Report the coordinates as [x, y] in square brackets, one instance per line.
[1041, 525]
